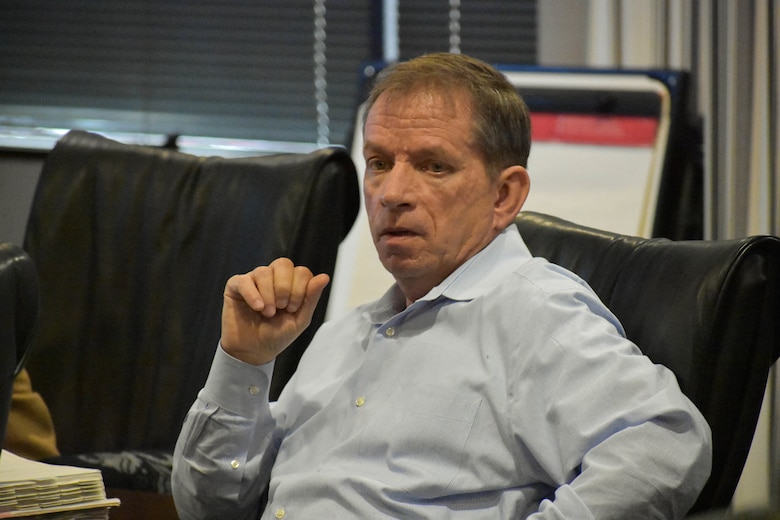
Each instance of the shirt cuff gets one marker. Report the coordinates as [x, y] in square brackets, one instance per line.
[237, 386]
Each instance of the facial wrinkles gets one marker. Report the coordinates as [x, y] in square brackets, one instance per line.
[408, 141]
[452, 212]
[407, 132]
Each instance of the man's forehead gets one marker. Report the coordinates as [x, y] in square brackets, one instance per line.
[419, 113]
[454, 100]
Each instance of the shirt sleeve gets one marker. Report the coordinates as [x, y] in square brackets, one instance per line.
[628, 443]
[226, 448]
[618, 481]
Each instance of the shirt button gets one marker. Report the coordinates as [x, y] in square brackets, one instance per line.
[389, 332]
[253, 390]
[360, 401]
[235, 464]
[279, 513]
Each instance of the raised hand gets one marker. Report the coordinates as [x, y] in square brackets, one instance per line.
[266, 309]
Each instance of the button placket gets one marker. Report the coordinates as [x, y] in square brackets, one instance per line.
[388, 332]
[375, 355]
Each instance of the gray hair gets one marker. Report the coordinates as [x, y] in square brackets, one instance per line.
[502, 124]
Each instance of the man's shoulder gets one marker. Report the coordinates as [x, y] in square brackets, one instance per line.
[540, 275]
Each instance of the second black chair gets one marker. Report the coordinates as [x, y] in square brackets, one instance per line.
[706, 309]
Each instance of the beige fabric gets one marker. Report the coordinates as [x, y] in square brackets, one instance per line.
[30, 431]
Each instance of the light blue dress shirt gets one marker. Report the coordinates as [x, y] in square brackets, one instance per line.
[508, 391]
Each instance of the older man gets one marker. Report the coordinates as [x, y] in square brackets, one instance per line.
[484, 384]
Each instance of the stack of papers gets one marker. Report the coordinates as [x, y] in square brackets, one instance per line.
[29, 489]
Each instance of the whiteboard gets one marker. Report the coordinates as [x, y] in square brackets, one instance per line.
[610, 181]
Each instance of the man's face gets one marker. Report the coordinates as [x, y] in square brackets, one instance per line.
[429, 200]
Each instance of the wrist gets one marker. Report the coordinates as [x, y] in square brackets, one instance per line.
[247, 356]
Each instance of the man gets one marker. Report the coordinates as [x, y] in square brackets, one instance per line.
[484, 384]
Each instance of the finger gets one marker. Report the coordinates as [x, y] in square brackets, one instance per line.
[241, 287]
[301, 277]
[314, 290]
[263, 280]
[283, 272]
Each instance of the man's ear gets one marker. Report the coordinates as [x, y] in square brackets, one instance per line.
[513, 185]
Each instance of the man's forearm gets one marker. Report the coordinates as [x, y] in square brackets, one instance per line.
[225, 450]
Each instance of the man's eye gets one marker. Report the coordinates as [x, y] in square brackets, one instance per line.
[436, 167]
[376, 164]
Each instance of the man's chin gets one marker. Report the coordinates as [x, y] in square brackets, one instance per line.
[401, 266]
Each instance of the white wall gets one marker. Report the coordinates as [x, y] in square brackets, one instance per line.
[562, 32]
[18, 176]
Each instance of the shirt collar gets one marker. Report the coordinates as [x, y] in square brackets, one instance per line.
[475, 277]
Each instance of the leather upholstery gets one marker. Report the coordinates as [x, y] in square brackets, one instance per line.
[705, 309]
[18, 318]
[133, 246]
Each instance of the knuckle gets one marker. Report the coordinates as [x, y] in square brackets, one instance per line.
[282, 262]
[302, 270]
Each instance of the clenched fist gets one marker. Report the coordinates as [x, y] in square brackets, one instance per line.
[266, 309]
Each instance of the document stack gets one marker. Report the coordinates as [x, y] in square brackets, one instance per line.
[35, 490]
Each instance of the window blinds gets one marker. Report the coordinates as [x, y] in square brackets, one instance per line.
[239, 69]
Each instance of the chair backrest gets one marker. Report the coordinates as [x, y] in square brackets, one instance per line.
[133, 246]
[705, 309]
[18, 317]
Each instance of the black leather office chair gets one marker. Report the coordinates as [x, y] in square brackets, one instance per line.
[708, 310]
[133, 246]
[18, 318]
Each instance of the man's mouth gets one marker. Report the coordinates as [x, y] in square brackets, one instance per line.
[397, 236]
[397, 232]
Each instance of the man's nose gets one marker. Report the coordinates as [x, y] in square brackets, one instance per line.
[397, 188]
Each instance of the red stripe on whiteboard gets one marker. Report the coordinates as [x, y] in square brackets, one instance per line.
[588, 129]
